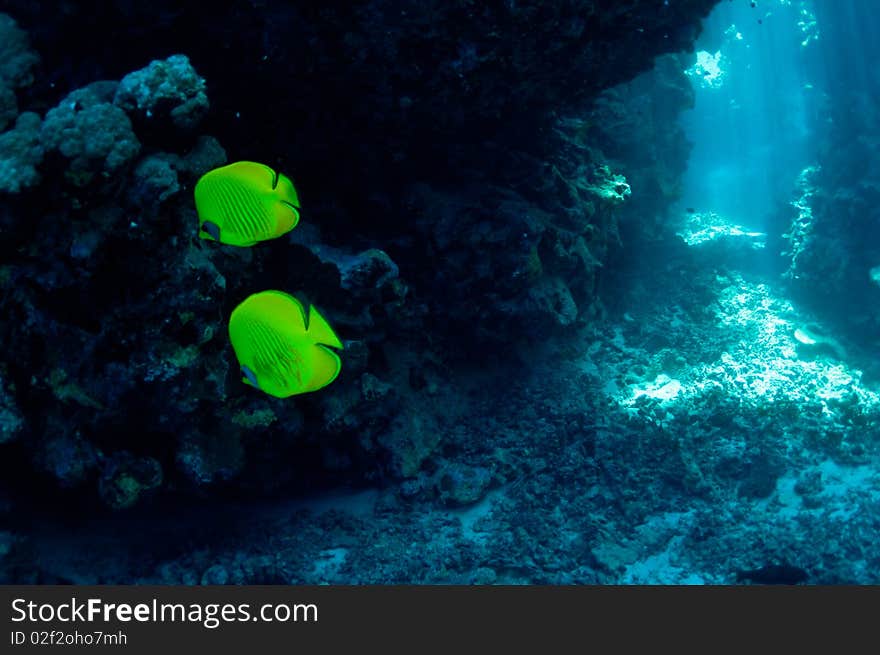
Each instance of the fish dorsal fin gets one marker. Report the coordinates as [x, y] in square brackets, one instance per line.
[254, 172]
[320, 331]
[288, 298]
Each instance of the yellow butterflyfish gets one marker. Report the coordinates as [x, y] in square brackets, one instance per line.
[245, 202]
[281, 349]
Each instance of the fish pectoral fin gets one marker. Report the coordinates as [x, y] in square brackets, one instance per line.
[320, 331]
[210, 230]
[249, 377]
[326, 367]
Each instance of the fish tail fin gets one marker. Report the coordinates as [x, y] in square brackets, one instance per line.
[288, 196]
[320, 330]
[326, 368]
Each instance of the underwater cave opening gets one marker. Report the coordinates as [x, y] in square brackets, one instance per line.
[756, 104]
[784, 140]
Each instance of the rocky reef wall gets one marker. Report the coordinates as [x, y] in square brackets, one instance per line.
[830, 257]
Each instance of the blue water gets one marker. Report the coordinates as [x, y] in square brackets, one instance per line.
[753, 119]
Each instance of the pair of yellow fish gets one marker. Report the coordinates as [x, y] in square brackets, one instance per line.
[282, 348]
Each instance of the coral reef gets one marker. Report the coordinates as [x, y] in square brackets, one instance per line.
[21, 151]
[94, 135]
[165, 90]
[17, 63]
